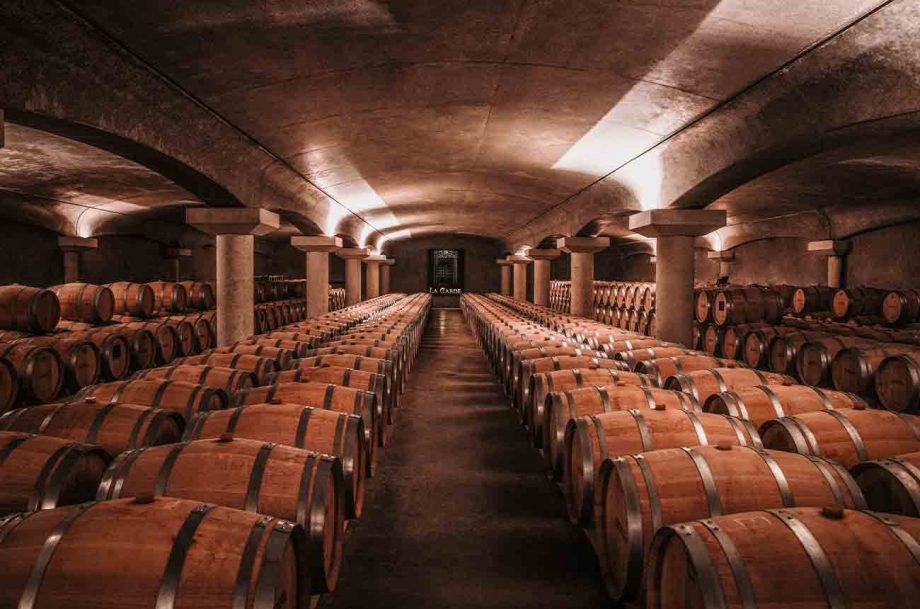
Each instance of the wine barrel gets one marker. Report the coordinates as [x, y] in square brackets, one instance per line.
[548, 364]
[731, 344]
[611, 348]
[81, 358]
[93, 304]
[521, 372]
[200, 295]
[143, 345]
[135, 299]
[186, 341]
[166, 338]
[853, 369]
[299, 348]
[327, 397]
[632, 358]
[28, 309]
[591, 440]
[897, 382]
[563, 406]
[702, 306]
[38, 369]
[114, 351]
[702, 384]
[796, 557]
[355, 362]
[260, 367]
[813, 360]
[272, 479]
[169, 296]
[642, 493]
[784, 348]
[812, 299]
[227, 379]
[184, 398]
[891, 485]
[283, 357]
[901, 307]
[114, 427]
[855, 302]
[849, 435]
[335, 375]
[9, 385]
[202, 332]
[147, 553]
[746, 305]
[41, 472]
[573, 378]
[334, 433]
[755, 347]
[659, 370]
[762, 403]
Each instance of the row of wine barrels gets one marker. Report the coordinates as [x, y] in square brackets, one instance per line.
[185, 398]
[260, 367]
[272, 315]
[640, 494]
[227, 379]
[114, 427]
[336, 299]
[199, 295]
[271, 289]
[291, 483]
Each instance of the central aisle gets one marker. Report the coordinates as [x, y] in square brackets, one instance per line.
[462, 515]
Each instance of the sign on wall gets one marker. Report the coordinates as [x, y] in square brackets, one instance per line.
[445, 271]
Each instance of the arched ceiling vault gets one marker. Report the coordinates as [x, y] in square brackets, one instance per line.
[512, 119]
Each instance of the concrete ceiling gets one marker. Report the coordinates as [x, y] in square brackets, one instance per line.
[468, 116]
[513, 119]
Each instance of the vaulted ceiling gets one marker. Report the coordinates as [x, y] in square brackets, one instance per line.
[512, 119]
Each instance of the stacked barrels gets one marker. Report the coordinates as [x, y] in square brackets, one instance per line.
[240, 488]
[671, 466]
[628, 305]
[336, 298]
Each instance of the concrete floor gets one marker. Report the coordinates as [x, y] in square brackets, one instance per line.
[461, 515]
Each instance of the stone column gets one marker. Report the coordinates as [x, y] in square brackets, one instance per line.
[175, 255]
[505, 266]
[675, 230]
[836, 251]
[235, 230]
[520, 276]
[353, 257]
[541, 273]
[317, 249]
[72, 246]
[385, 276]
[582, 250]
[372, 276]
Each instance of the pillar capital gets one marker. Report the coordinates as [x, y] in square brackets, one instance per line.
[830, 247]
[583, 245]
[517, 259]
[233, 220]
[543, 254]
[77, 244]
[677, 222]
[503, 262]
[352, 253]
[375, 259]
[319, 243]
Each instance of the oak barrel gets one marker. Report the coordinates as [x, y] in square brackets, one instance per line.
[39, 370]
[185, 398]
[200, 294]
[28, 309]
[761, 403]
[897, 382]
[891, 485]
[853, 369]
[702, 384]
[169, 296]
[151, 553]
[324, 431]
[660, 370]
[260, 367]
[94, 304]
[135, 299]
[227, 379]
[272, 479]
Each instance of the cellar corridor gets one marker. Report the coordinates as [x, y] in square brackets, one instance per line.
[462, 515]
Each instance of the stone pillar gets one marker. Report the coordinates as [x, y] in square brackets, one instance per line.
[582, 250]
[725, 261]
[353, 257]
[836, 251]
[541, 273]
[72, 246]
[385, 276]
[505, 266]
[235, 230]
[520, 276]
[675, 230]
[372, 276]
[174, 255]
[317, 249]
